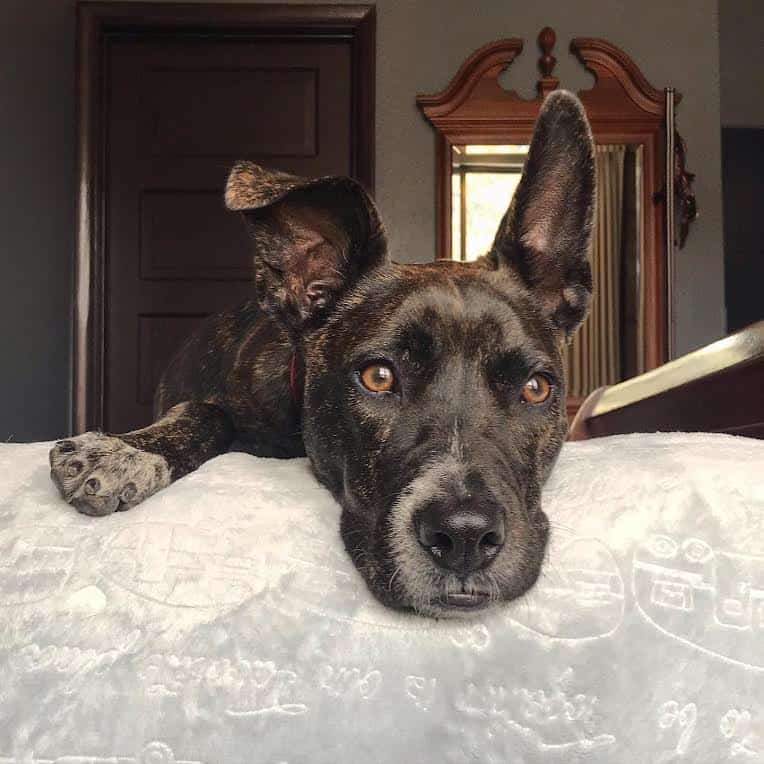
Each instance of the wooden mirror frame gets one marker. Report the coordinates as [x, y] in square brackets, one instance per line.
[623, 108]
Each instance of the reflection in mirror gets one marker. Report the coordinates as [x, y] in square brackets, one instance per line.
[606, 349]
[483, 179]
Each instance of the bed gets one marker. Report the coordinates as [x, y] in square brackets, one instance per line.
[221, 621]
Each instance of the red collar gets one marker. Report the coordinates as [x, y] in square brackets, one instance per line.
[293, 389]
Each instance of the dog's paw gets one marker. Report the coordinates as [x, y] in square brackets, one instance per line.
[100, 474]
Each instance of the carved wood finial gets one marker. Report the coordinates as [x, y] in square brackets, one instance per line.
[546, 39]
[547, 61]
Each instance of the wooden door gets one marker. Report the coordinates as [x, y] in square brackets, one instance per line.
[177, 106]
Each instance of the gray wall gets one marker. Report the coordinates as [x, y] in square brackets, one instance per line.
[741, 30]
[36, 215]
[420, 46]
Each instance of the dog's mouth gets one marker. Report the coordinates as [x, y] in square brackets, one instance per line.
[473, 600]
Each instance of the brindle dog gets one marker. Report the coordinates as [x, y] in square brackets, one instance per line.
[430, 398]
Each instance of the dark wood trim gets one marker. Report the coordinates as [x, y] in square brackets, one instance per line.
[364, 95]
[97, 23]
[486, 63]
[88, 317]
[604, 60]
[463, 213]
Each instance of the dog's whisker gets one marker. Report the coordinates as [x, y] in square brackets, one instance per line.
[558, 526]
[392, 578]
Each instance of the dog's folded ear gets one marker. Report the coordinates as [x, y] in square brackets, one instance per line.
[545, 234]
[312, 239]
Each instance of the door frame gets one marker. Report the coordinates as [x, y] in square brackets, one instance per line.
[98, 23]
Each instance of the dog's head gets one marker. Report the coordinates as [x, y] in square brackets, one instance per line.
[434, 403]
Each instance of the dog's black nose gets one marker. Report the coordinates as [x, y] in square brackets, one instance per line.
[461, 540]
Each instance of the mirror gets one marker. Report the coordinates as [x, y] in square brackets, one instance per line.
[482, 132]
[483, 180]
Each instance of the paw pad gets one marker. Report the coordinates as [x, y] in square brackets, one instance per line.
[100, 474]
[74, 469]
[129, 492]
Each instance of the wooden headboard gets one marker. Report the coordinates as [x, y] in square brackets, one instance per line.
[719, 388]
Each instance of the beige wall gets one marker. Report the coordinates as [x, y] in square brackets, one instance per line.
[420, 45]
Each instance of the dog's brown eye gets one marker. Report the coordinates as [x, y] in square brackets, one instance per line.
[537, 389]
[378, 378]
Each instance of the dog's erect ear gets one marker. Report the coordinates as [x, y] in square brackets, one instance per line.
[544, 235]
[313, 239]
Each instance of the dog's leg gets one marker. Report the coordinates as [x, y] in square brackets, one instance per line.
[99, 474]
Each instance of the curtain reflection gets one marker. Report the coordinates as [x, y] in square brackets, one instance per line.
[593, 358]
[603, 351]
[607, 347]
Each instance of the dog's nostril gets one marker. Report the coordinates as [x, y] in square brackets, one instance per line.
[440, 544]
[434, 539]
[491, 539]
[490, 545]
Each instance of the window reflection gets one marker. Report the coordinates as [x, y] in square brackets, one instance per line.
[483, 181]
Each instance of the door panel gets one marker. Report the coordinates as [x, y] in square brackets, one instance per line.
[179, 113]
[183, 104]
[213, 247]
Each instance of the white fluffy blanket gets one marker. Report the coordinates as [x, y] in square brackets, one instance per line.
[221, 621]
